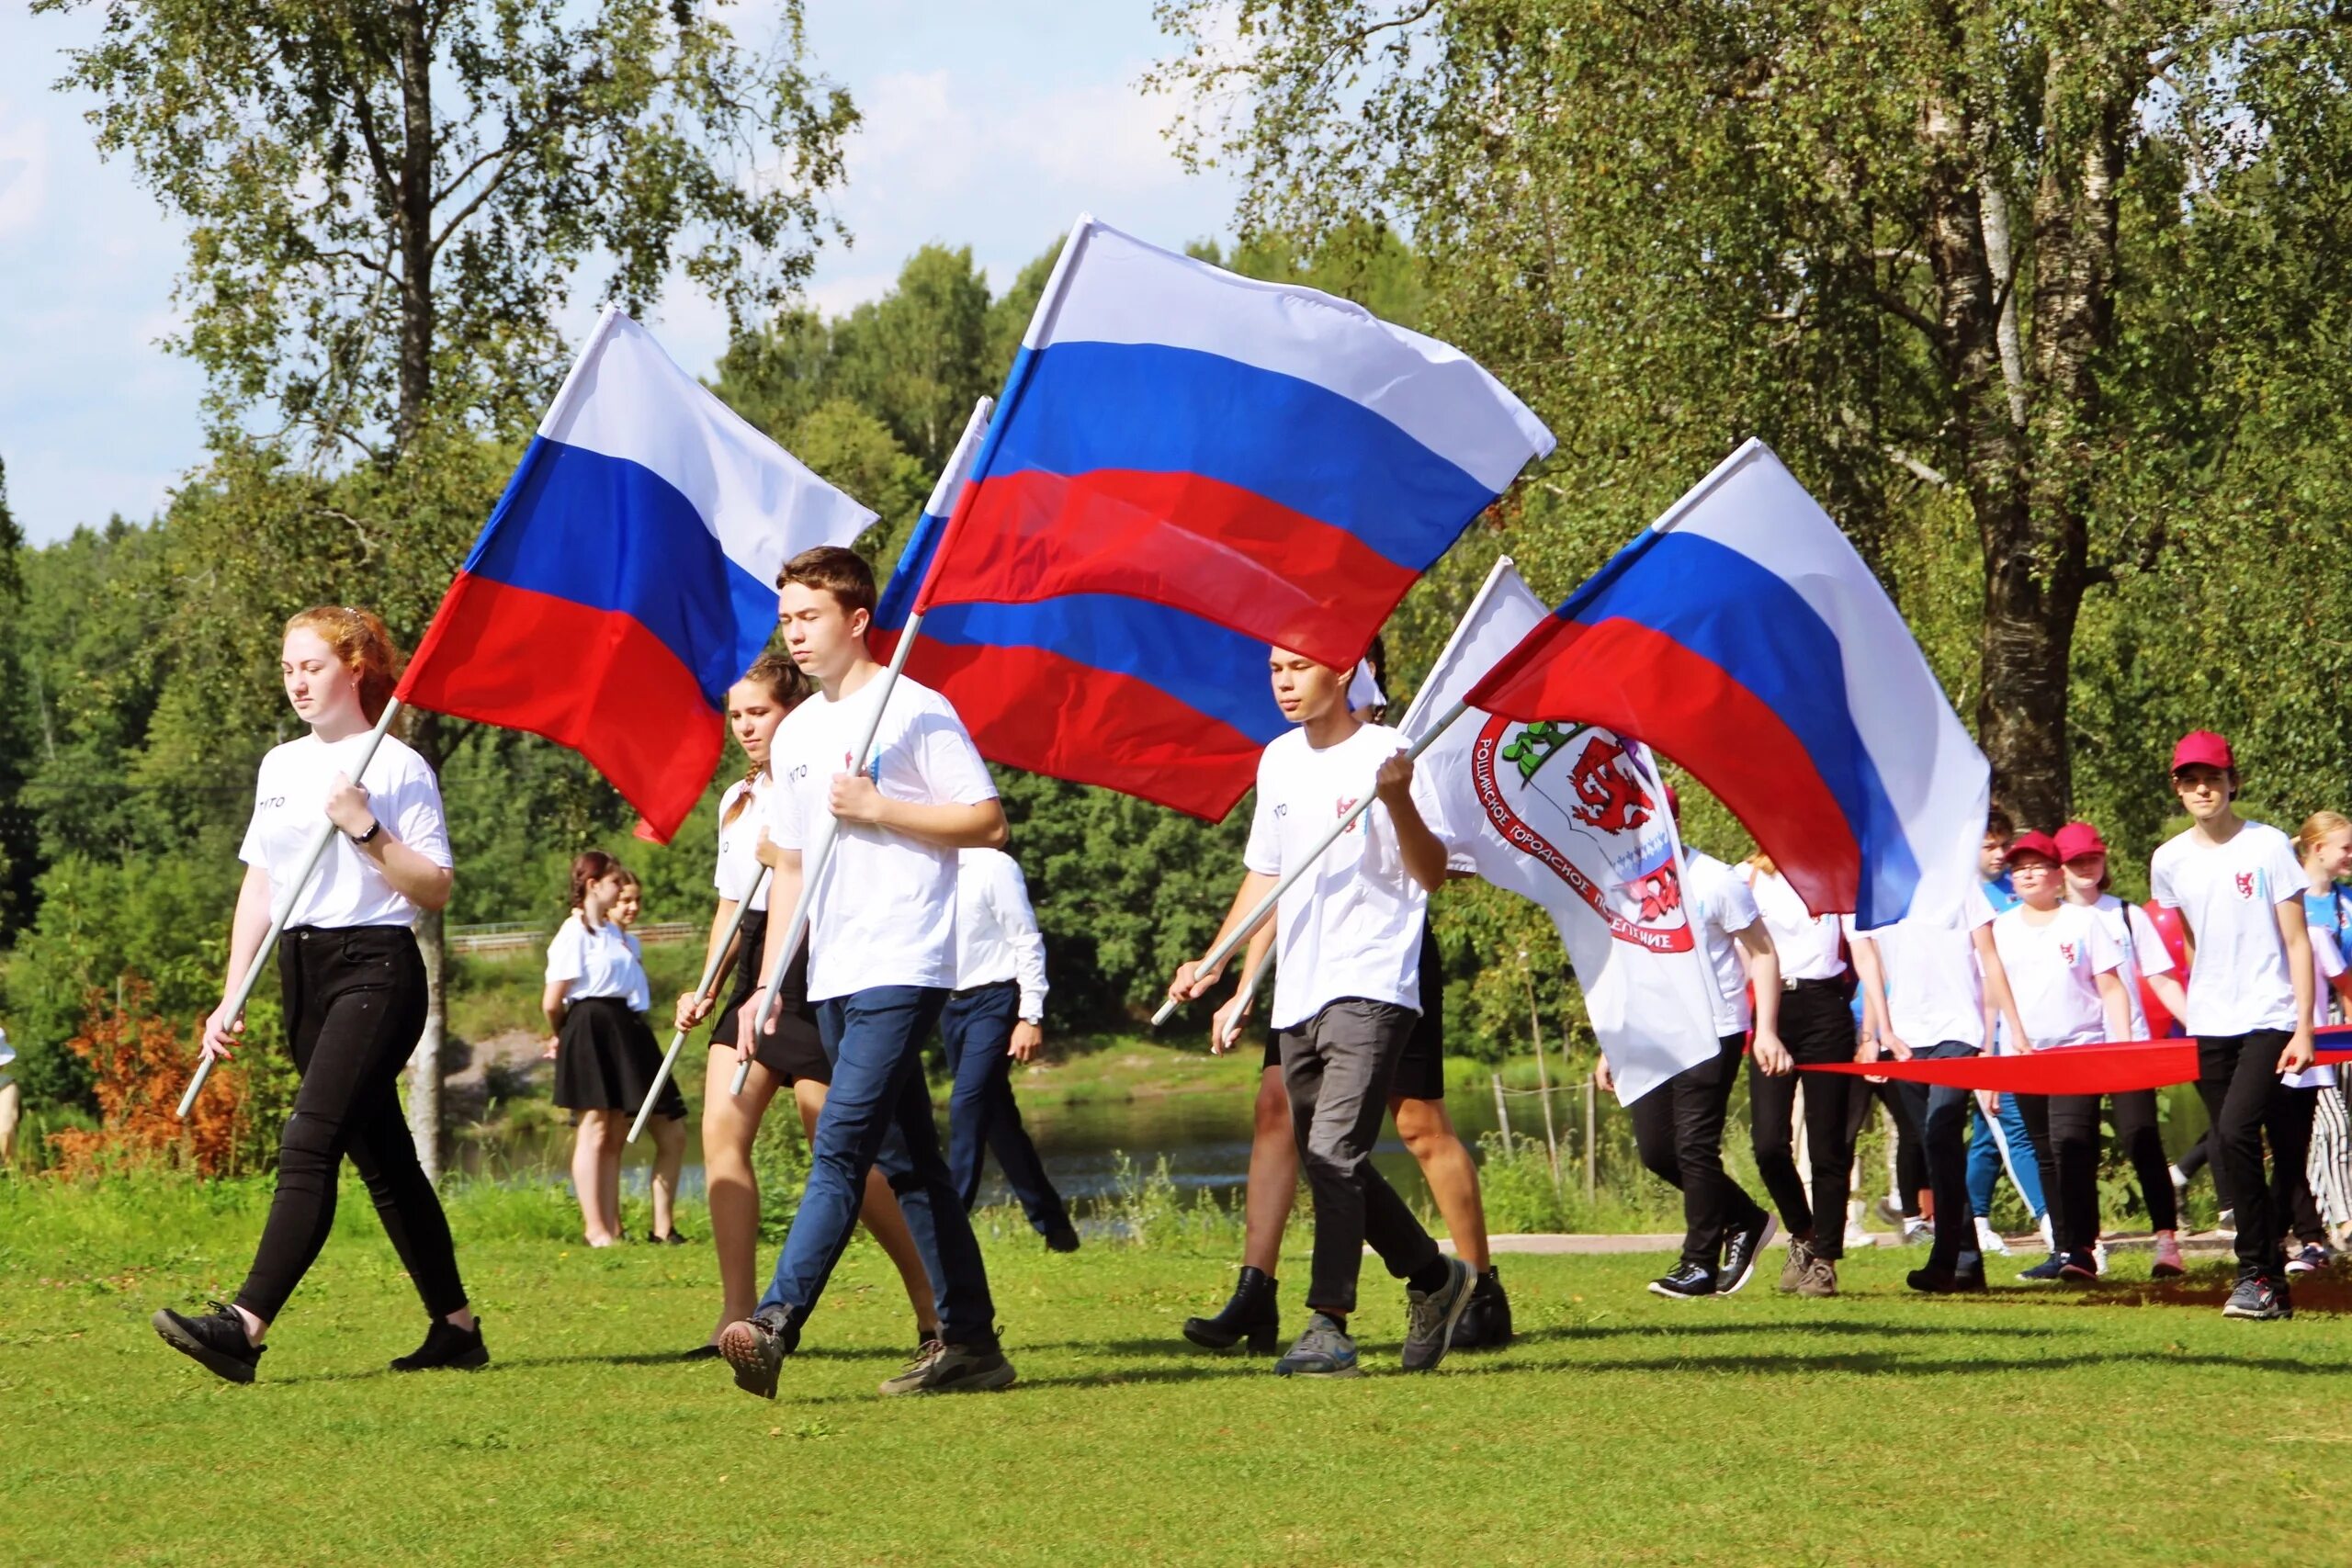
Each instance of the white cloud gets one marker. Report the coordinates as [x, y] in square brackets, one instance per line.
[24, 171]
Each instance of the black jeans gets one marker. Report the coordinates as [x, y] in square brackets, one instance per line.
[354, 1005]
[1678, 1131]
[2295, 1207]
[2074, 1132]
[1942, 1115]
[2237, 1076]
[1817, 1027]
[1910, 1165]
[1337, 1067]
[976, 1033]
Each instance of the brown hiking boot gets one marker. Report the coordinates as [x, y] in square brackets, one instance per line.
[1820, 1278]
[1792, 1271]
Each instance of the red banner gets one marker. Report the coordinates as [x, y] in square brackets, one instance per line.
[2072, 1069]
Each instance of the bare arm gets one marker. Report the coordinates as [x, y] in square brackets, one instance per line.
[1877, 1029]
[693, 1006]
[979, 826]
[2168, 991]
[1764, 979]
[2115, 1005]
[409, 873]
[1423, 851]
[2297, 938]
[1192, 979]
[783, 895]
[1998, 1000]
[246, 928]
[1225, 1026]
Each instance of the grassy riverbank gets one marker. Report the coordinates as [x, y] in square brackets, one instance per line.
[1877, 1428]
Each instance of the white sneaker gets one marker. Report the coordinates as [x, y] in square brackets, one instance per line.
[1857, 1236]
[1988, 1240]
[1914, 1230]
[2179, 1179]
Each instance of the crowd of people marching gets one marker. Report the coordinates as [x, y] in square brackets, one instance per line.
[918, 923]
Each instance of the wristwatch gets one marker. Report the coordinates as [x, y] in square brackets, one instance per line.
[369, 836]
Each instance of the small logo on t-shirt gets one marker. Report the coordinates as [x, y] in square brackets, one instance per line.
[271, 803]
[2245, 885]
[1344, 804]
[797, 775]
[2066, 953]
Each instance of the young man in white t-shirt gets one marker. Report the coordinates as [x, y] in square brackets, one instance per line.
[1347, 996]
[1932, 985]
[2239, 889]
[882, 961]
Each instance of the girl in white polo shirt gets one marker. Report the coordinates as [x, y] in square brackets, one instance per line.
[2145, 959]
[2065, 972]
[354, 990]
[2239, 889]
[606, 1057]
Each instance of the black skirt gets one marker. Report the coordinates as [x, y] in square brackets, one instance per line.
[794, 1051]
[605, 1059]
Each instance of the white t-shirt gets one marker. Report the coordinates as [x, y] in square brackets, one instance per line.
[2327, 962]
[885, 909]
[600, 963]
[1935, 988]
[2144, 953]
[1351, 927]
[1807, 943]
[996, 931]
[2054, 972]
[2229, 896]
[738, 841]
[290, 805]
[639, 996]
[1719, 904]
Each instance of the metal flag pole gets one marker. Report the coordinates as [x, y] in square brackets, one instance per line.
[827, 831]
[285, 902]
[1249, 987]
[710, 969]
[1256, 916]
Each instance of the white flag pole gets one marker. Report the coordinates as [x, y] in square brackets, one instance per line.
[818, 851]
[286, 898]
[709, 979]
[1256, 916]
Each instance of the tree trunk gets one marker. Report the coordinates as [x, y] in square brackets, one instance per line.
[424, 1063]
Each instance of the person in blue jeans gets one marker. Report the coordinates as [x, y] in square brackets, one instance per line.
[1932, 987]
[881, 965]
[997, 1017]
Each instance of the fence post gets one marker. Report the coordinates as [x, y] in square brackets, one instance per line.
[1588, 1150]
[1503, 1112]
[1543, 1072]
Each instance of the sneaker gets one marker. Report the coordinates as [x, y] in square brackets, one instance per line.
[2179, 1180]
[1740, 1252]
[1486, 1323]
[1857, 1236]
[1792, 1271]
[2225, 1223]
[942, 1368]
[1324, 1351]
[1937, 1281]
[2050, 1267]
[2308, 1258]
[447, 1346]
[1432, 1317]
[756, 1348]
[2258, 1296]
[1887, 1208]
[2048, 1236]
[1820, 1277]
[2078, 1266]
[216, 1341]
[1917, 1231]
[2167, 1265]
[1688, 1283]
[1988, 1240]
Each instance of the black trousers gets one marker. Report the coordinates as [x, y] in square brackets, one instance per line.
[1942, 1115]
[2237, 1076]
[2035, 1111]
[2072, 1123]
[355, 1006]
[1678, 1131]
[1817, 1027]
[2295, 1207]
[1910, 1163]
[1337, 1067]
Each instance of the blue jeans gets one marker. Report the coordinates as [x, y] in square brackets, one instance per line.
[875, 1039]
[1991, 1148]
[975, 1029]
[1942, 1115]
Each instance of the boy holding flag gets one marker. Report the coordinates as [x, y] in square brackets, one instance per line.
[1347, 996]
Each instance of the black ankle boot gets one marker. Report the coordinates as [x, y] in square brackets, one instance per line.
[1252, 1313]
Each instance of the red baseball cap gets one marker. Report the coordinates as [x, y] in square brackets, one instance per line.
[2202, 748]
[2040, 844]
[2076, 840]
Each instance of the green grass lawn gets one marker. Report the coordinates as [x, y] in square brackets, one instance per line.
[2124, 1425]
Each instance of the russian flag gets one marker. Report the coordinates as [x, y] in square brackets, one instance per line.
[1742, 637]
[1263, 457]
[627, 576]
[1095, 688]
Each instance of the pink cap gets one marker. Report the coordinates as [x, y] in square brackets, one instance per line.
[2076, 840]
[2040, 844]
[2202, 748]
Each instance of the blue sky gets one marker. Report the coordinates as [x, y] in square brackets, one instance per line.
[987, 125]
